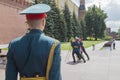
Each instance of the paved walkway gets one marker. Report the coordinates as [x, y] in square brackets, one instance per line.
[103, 65]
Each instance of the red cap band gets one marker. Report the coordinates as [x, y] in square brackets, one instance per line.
[35, 16]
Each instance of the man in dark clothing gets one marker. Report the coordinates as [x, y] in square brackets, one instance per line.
[113, 44]
[28, 55]
[82, 49]
[76, 50]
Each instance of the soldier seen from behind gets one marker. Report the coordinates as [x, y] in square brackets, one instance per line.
[34, 55]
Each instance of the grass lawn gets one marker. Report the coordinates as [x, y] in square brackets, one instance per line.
[67, 46]
[4, 48]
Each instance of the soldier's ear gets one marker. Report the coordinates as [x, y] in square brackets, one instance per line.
[27, 24]
[43, 22]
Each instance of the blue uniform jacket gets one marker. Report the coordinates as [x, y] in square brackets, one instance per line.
[74, 48]
[38, 45]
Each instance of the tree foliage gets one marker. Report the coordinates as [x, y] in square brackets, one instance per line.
[75, 26]
[68, 20]
[56, 24]
[60, 24]
[95, 22]
[83, 29]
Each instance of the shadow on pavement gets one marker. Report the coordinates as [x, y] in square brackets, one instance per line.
[72, 63]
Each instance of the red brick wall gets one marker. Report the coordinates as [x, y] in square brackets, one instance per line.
[12, 24]
[16, 3]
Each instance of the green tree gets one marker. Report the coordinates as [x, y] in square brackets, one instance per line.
[55, 23]
[83, 29]
[89, 20]
[95, 22]
[49, 28]
[75, 26]
[61, 28]
[68, 20]
[106, 33]
[50, 24]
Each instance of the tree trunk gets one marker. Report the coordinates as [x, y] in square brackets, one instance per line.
[95, 38]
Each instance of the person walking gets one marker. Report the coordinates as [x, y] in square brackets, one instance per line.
[76, 50]
[82, 49]
[34, 55]
[114, 44]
